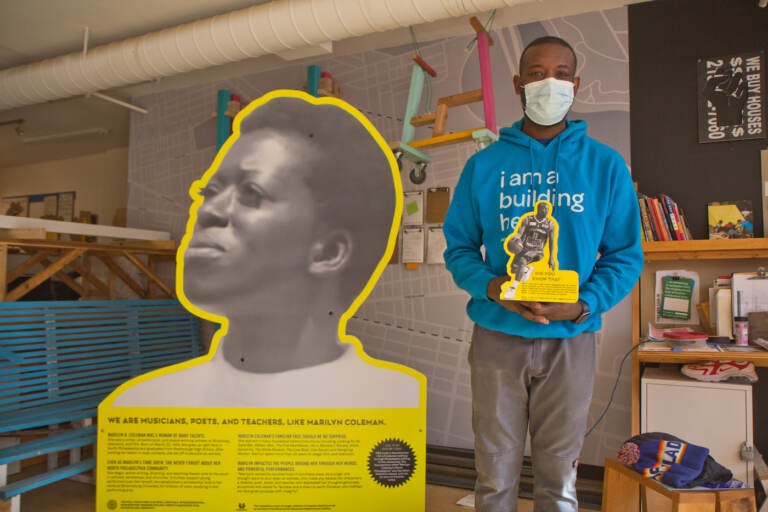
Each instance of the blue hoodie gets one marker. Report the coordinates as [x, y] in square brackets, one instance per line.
[594, 203]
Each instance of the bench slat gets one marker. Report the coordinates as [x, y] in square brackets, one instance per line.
[53, 442]
[61, 358]
[51, 414]
[33, 482]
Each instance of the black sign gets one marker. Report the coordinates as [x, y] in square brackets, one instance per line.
[732, 97]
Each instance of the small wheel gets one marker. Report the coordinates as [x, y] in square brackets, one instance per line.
[399, 158]
[419, 173]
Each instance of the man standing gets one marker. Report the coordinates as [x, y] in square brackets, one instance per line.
[532, 364]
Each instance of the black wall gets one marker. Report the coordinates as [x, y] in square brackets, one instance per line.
[666, 38]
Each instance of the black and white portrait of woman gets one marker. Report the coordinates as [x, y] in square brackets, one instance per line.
[288, 232]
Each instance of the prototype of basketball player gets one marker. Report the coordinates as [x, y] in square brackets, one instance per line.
[528, 244]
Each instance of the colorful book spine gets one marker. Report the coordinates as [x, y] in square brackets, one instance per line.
[676, 212]
[684, 223]
[651, 222]
[673, 221]
[658, 219]
[645, 220]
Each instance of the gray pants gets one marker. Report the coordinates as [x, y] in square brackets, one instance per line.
[521, 384]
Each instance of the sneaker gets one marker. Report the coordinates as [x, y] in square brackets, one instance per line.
[715, 371]
[510, 292]
[527, 273]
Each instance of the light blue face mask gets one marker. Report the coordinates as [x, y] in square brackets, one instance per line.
[548, 101]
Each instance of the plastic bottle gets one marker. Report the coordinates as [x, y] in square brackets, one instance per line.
[741, 330]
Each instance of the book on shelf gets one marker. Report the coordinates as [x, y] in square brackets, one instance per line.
[645, 220]
[730, 219]
[662, 218]
[658, 219]
[670, 210]
[684, 222]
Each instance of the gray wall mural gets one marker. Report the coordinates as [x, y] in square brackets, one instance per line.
[414, 317]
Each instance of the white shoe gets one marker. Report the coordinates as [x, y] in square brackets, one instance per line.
[509, 293]
[527, 273]
[715, 371]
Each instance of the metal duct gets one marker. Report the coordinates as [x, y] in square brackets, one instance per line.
[274, 28]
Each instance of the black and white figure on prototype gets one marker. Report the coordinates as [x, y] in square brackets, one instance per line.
[288, 233]
[527, 246]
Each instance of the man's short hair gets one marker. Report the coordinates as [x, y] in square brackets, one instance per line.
[351, 179]
[549, 40]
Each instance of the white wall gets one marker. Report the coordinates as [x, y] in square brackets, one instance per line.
[99, 181]
[414, 317]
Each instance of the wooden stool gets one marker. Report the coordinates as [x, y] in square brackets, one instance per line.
[624, 489]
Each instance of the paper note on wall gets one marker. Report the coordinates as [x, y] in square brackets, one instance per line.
[413, 244]
[749, 293]
[435, 244]
[437, 204]
[413, 208]
[662, 300]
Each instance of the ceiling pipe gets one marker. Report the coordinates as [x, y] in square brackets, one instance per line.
[279, 27]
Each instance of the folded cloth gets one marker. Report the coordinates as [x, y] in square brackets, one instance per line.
[674, 461]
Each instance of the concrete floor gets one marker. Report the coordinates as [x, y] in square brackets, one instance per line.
[72, 496]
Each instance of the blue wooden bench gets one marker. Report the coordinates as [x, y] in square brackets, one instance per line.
[59, 359]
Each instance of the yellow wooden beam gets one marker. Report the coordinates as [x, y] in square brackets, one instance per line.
[64, 277]
[423, 119]
[463, 98]
[85, 271]
[149, 273]
[440, 119]
[41, 276]
[114, 267]
[444, 140]
[28, 264]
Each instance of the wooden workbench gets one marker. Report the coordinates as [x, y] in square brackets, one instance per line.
[125, 253]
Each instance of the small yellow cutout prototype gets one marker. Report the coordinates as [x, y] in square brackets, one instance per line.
[532, 266]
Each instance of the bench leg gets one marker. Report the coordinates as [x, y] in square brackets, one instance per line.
[619, 491]
[736, 501]
[76, 454]
[655, 502]
[696, 502]
[12, 468]
[53, 457]
[13, 504]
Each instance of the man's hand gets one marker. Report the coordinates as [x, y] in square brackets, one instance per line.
[519, 307]
[537, 312]
[555, 310]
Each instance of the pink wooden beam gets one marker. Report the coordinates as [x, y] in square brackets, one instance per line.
[486, 80]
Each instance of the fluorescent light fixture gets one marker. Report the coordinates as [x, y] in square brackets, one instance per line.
[67, 135]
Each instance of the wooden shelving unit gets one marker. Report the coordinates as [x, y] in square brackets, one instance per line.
[709, 258]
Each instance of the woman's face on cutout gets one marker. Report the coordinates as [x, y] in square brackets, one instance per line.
[255, 227]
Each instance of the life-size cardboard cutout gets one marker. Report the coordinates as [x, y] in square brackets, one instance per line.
[289, 230]
[532, 266]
